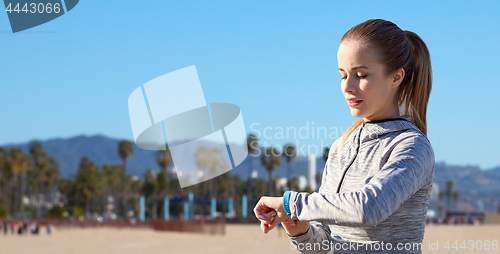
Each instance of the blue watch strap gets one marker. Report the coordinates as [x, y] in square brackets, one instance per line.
[286, 200]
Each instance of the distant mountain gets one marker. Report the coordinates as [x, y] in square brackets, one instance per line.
[103, 150]
[497, 169]
[98, 148]
[468, 178]
[478, 189]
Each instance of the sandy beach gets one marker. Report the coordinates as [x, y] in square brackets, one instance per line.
[239, 239]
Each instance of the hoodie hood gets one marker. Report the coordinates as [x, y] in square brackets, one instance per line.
[378, 128]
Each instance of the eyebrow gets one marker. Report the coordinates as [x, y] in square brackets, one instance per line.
[357, 67]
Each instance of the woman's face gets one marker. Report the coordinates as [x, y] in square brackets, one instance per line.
[369, 94]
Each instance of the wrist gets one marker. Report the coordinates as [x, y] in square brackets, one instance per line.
[286, 202]
[301, 228]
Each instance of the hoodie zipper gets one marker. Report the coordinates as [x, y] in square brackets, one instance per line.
[354, 158]
[359, 144]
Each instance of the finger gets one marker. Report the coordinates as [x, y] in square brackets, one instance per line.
[266, 216]
[271, 213]
[263, 207]
[262, 226]
[258, 209]
[265, 227]
[271, 225]
[264, 219]
[267, 220]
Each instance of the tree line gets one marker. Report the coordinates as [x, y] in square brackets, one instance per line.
[31, 185]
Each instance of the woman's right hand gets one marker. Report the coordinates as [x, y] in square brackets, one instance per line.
[295, 228]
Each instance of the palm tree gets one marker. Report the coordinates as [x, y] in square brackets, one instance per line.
[38, 180]
[112, 176]
[326, 151]
[456, 195]
[134, 185]
[38, 156]
[125, 149]
[37, 152]
[51, 175]
[289, 153]
[3, 179]
[87, 181]
[164, 159]
[252, 144]
[318, 178]
[210, 161]
[441, 207]
[149, 190]
[203, 162]
[270, 159]
[18, 163]
[448, 194]
[158, 178]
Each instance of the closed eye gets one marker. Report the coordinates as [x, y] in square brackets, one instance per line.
[364, 76]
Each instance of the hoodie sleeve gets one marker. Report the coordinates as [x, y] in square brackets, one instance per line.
[317, 233]
[408, 168]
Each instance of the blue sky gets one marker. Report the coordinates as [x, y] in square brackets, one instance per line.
[276, 60]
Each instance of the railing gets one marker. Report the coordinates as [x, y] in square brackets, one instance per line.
[212, 226]
[207, 226]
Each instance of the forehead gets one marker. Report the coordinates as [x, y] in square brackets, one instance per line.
[353, 53]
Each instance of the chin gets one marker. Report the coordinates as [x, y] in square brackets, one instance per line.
[356, 113]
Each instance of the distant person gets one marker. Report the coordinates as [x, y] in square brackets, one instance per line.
[25, 227]
[34, 228]
[5, 228]
[20, 228]
[378, 177]
[49, 229]
[12, 228]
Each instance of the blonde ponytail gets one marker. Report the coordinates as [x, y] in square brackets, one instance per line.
[415, 96]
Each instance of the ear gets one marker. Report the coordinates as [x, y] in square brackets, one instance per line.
[397, 78]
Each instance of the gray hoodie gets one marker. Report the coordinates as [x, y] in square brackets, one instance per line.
[373, 196]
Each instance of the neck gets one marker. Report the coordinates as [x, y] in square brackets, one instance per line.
[392, 112]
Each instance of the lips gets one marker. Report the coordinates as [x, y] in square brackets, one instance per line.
[353, 102]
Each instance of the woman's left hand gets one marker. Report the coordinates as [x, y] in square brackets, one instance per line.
[270, 212]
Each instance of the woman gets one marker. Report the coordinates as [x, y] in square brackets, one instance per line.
[378, 178]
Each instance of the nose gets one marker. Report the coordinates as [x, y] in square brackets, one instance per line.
[348, 86]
